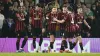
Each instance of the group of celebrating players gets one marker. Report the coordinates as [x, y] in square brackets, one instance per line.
[66, 20]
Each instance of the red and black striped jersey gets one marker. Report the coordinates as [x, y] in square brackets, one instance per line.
[36, 14]
[70, 22]
[79, 20]
[62, 16]
[19, 24]
[51, 23]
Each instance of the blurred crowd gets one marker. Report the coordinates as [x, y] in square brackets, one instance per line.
[8, 9]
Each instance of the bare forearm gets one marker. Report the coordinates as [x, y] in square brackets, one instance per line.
[86, 23]
[60, 21]
[20, 19]
[91, 17]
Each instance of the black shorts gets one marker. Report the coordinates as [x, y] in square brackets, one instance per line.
[37, 32]
[62, 33]
[51, 33]
[22, 33]
[69, 34]
[30, 34]
[78, 33]
[45, 34]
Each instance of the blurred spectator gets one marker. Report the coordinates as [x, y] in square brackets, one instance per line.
[88, 15]
[15, 5]
[93, 9]
[21, 3]
[8, 29]
[1, 21]
[6, 8]
[2, 7]
[10, 12]
[94, 23]
[98, 17]
[27, 4]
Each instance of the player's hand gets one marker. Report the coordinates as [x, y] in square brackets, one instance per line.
[23, 19]
[36, 18]
[43, 30]
[89, 27]
[54, 19]
[47, 18]
[88, 34]
[77, 26]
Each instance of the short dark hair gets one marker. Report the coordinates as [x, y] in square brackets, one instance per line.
[39, 5]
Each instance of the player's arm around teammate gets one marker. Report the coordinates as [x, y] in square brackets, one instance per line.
[63, 16]
[52, 27]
